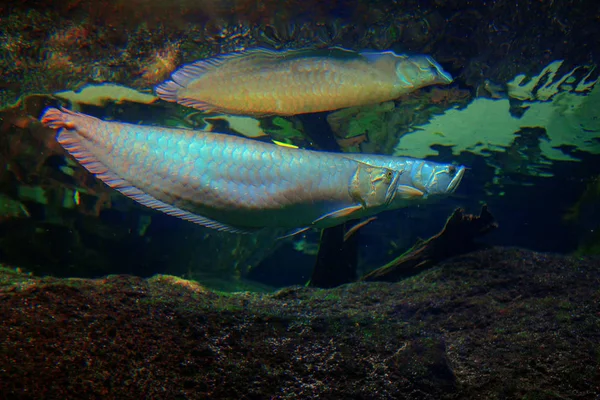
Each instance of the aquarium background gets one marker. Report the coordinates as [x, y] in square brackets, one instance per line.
[522, 114]
[103, 298]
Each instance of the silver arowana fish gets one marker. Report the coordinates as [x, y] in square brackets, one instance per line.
[289, 82]
[236, 184]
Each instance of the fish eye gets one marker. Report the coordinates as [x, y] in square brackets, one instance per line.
[452, 170]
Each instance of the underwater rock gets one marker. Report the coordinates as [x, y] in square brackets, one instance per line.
[497, 323]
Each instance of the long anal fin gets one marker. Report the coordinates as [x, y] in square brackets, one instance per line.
[198, 105]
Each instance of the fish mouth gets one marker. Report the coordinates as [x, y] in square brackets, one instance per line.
[460, 172]
[445, 76]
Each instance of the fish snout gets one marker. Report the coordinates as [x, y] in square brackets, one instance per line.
[444, 179]
[420, 71]
[441, 75]
[458, 172]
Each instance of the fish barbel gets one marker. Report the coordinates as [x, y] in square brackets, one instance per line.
[266, 82]
[236, 184]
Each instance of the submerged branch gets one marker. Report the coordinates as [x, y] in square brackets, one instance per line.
[457, 237]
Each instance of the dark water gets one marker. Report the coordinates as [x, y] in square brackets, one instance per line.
[48, 48]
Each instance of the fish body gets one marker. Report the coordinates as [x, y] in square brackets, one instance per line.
[236, 184]
[266, 82]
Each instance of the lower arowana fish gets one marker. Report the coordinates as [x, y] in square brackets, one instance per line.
[237, 184]
[289, 82]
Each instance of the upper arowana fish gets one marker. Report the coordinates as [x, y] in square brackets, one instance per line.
[237, 184]
[289, 82]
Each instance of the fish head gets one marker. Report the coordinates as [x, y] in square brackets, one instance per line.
[435, 179]
[423, 180]
[418, 71]
[399, 181]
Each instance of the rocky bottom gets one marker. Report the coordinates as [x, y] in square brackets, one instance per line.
[494, 324]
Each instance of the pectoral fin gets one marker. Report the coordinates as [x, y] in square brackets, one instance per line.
[408, 192]
[344, 212]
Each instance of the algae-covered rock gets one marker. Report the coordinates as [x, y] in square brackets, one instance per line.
[459, 331]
